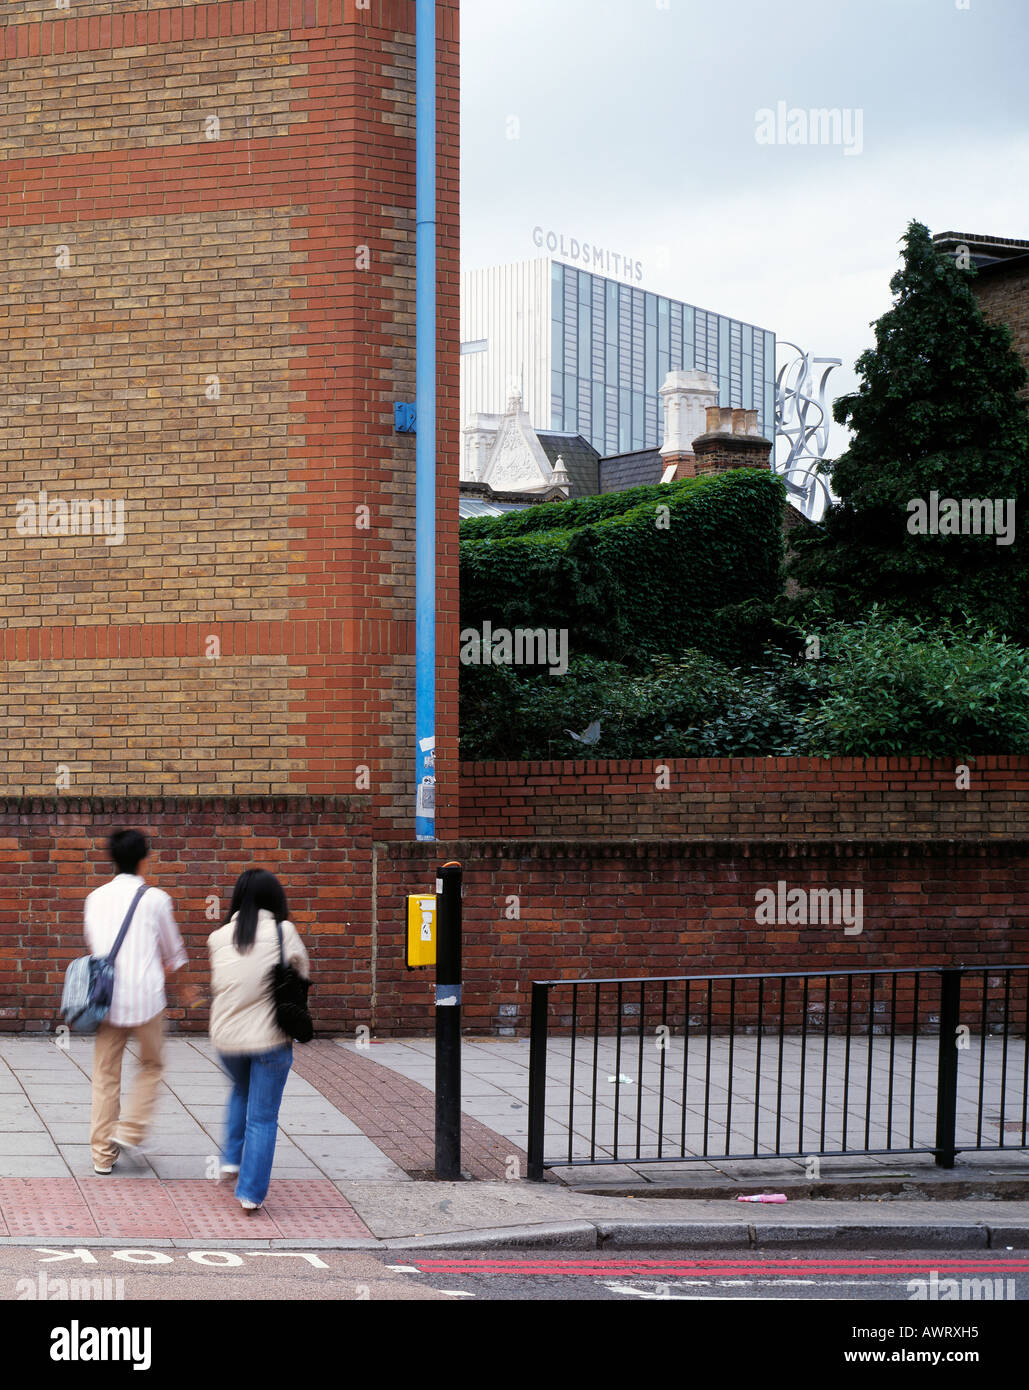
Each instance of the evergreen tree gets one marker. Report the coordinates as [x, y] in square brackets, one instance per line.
[937, 410]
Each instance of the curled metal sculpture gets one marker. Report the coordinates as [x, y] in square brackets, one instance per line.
[802, 430]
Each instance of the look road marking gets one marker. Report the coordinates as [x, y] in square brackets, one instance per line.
[212, 1259]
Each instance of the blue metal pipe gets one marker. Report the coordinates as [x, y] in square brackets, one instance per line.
[425, 404]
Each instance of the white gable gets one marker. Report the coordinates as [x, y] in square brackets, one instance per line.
[516, 462]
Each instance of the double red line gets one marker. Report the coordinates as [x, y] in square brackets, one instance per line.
[727, 1268]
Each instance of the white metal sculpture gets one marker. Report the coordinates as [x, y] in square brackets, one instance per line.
[802, 430]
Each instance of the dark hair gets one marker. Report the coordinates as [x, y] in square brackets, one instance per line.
[128, 849]
[255, 889]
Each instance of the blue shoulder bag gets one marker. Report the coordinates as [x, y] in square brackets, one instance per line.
[89, 982]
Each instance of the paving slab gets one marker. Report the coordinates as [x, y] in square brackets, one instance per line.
[33, 1166]
[79, 1160]
[26, 1143]
[347, 1156]
[328, 1123]
[184, 1166]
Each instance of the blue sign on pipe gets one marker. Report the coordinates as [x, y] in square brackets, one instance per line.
[405, 418]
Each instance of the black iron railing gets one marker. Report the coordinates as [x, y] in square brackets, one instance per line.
[794, 1065]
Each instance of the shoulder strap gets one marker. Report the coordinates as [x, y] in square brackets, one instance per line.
[282, 953]
[125, 925]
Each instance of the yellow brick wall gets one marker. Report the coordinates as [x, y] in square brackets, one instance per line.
[180, 726]
[163, 96]
[1004, 298]
[107, 371]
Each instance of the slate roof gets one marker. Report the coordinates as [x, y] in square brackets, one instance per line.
[580, 459]
[1017, 264]
[622, 471]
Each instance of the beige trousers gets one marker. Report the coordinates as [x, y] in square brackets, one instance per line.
[108, 1116]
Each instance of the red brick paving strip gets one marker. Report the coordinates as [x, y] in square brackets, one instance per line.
[313, 1209]
[43, 1207]
[310, 1208]
[296, 1209]
[132, 1207]
[398, 1114]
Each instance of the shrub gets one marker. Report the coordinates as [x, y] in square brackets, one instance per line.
[902, 687]
[883, 686]
[693, 707]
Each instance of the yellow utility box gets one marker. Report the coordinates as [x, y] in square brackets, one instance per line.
[421, 930]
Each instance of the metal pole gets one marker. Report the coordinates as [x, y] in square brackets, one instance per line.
[947, 1066]
[425, 405]
[538, 1081]
[448, 1021]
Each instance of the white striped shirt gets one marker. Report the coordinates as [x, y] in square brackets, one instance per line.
[152, 945]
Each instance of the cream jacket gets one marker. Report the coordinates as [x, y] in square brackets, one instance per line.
[242, 1012]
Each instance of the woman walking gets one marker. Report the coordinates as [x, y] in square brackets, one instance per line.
[251, 1046]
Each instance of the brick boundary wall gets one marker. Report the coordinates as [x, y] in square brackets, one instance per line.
[597, 909]
[717, 798]
[54, 852]
[533, 909]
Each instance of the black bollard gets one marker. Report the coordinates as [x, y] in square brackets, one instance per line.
[448, 1021]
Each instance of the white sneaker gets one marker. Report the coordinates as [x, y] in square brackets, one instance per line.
[102, 1171]
[249, 1206]
[126, 1146]
[228, 1170]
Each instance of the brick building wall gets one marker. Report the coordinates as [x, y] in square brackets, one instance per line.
[751, 798]
[1003, 295]
[208, 290]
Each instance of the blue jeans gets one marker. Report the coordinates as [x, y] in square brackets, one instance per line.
[252, 1116]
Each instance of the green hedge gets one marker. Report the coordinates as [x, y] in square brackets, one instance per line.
[579, 511]
[623, 586]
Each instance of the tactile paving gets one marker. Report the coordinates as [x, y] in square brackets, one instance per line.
[209, 1208]
[296, 1209]
[45, 1207]
[132, 1207]
[313, 1209]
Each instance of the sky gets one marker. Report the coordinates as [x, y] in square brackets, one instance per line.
[633, 125]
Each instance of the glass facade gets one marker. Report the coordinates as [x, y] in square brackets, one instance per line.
[612, 346]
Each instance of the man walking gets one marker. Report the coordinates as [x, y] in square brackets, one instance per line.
[152, 947]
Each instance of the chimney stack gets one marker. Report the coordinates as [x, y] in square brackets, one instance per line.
[731, 439]
[686, 397]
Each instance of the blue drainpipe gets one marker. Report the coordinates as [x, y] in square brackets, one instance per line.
[425, 402]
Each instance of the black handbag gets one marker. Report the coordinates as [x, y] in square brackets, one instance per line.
[289, 993]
